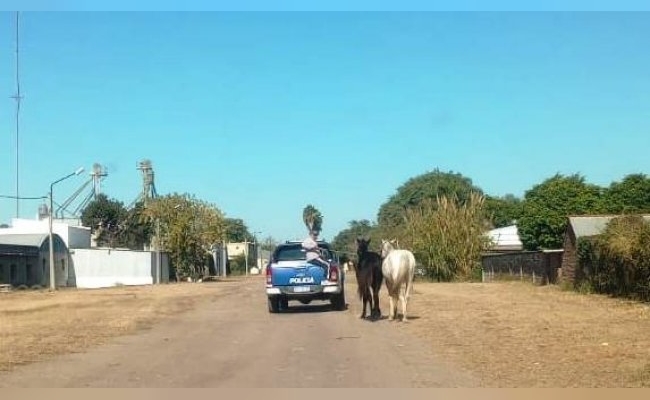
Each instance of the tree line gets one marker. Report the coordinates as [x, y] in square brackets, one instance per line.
[443, 216]
[180, 224]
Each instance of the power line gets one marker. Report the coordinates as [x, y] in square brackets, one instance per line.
[22, 198]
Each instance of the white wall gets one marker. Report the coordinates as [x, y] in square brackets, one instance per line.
[95, 268]
[235, 249]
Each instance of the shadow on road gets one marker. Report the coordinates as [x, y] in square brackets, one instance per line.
[384, 317]
[298, 308]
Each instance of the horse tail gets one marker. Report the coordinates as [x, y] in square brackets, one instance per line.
[409, 287]
[411, 275]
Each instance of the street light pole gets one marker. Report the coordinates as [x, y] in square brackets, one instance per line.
[246, 255]
[158, 247]
[256, 250]
[52, 274]
[224, 258]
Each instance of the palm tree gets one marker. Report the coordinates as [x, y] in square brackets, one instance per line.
[312, 218]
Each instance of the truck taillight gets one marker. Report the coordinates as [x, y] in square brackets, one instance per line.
[334, 273]
[268, 274]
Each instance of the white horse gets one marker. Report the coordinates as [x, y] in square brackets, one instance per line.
[398, 267]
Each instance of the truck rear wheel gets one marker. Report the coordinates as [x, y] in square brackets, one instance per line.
[338, 301]
[274, 304]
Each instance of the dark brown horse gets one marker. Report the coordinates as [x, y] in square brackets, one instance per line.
[369, 278]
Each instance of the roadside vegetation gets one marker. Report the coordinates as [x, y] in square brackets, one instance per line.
[443, 216]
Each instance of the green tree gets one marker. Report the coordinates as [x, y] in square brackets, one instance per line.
[237, 231]
[312, 218]
[136, 230]
[629, 196]
[188, 229]
[105, 218]
[426, 186]
[547, 205]
[344, 242]
[502, 211]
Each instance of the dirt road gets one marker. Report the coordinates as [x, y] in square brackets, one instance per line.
[232, 341]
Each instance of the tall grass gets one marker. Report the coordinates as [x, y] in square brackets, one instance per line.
[447, 236]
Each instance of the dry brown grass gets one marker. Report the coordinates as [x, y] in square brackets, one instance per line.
[514, 334]
[510, 334]
[35, 325]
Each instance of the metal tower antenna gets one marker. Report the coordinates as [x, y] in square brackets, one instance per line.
[17, 97]
[98, 173]
[148, 184]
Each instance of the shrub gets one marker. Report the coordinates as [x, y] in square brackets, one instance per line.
[617, 262]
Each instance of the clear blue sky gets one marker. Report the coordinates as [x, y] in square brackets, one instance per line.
[263, 113]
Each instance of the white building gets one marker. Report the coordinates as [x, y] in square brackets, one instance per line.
[505, 239]
[25, 245]
[74, 236]
[235, 249]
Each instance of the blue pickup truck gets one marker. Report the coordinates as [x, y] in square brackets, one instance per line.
[290, 277]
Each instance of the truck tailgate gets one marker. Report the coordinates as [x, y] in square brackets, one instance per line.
[296, 274]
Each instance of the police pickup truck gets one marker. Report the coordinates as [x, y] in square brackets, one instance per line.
[290, 277]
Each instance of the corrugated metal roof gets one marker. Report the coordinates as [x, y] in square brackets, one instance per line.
[27, 239]
[592, 225]
[506, 238]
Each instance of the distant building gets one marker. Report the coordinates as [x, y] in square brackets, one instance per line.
[24, 259]
[25, 246]
[239, 248]
[579, 227]
[257, 257]
[507, 257]
[73, 234]
[505, 239]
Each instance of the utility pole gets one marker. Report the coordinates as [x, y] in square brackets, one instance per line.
[246, 254]
[159, 248]
[256, 250]
[224, 258]
[17, 97]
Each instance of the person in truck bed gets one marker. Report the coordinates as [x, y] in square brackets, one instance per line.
[312, 251]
